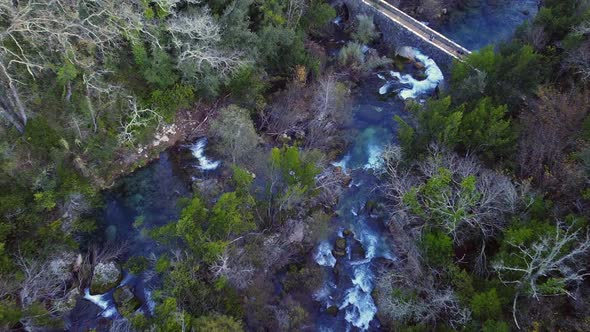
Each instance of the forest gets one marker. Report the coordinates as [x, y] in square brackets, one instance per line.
[482, 191]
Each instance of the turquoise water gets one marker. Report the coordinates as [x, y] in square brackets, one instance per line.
[484, 22]
[148, 197]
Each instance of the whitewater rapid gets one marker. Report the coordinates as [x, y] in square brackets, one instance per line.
[198, 151]
[413, 87]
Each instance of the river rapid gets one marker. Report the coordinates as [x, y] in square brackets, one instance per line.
[358, 243]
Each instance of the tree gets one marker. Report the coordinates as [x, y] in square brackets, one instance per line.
[39, 34]
[219, 323]
[453, 194]
[234, 135]
[545, 264]
[365, 31]
[196, 38]
[483, 129]
[331, 110]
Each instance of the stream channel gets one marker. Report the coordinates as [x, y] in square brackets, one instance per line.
[358, 242]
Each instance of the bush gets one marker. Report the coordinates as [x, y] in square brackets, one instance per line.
[365, 31]
[486, 305]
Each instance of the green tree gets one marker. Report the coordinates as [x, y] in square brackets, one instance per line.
[365, 31]
[486, 305]
[217, 323]
[234, 135]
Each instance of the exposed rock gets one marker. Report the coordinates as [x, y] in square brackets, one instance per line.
[338, 253]
[125, 300]
[357, 252]
[346, 180]
[419, 65]
[106, 276]
[69, 302]
[296, 231]
[341, 243]
[332, 310]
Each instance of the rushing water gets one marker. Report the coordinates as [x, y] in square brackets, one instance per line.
[346, 297]
[141, 201]
[484, 22]
[148, 198]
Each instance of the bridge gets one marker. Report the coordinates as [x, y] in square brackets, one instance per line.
[418, 30]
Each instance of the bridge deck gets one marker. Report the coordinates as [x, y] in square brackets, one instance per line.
[420, 29]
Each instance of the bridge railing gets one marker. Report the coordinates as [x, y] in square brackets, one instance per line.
[425, 29]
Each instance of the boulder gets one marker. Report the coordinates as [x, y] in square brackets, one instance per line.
[106, 276]
[127, 303]
[332, 310]
[419, 65]
[347, 232]
[370, 207]
[341, 243]
[357, 252]
[338, 253]
[346, 180]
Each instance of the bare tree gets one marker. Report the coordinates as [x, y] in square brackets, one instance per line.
[554, 257]
[137, 118]
[331, 109]
[234, 265]
[197, 38]
[43, 32]
[578, 60]
[548, 131]
[428, 305]
[295, 10]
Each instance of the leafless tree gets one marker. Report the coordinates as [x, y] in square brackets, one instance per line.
[39, 31]
[578, 60]
[548, 131]
[553, 256]
[233, 264]
[428, 306]
[196, 38]
[331, 109]
[137, 118]
[295, 10]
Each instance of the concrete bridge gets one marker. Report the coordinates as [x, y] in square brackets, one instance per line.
[400, 29]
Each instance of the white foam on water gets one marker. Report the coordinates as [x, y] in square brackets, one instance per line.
[415, 87]
[324, 294]
[342, 163]
[103, 302]
[363, 277]
[360, 307]
[149, 300]
[323, 255]
[198, 151]
[375, 161]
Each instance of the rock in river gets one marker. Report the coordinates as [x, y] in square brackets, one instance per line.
[126, 301]
[105, 276]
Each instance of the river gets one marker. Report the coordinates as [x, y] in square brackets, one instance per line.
[149, 196]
